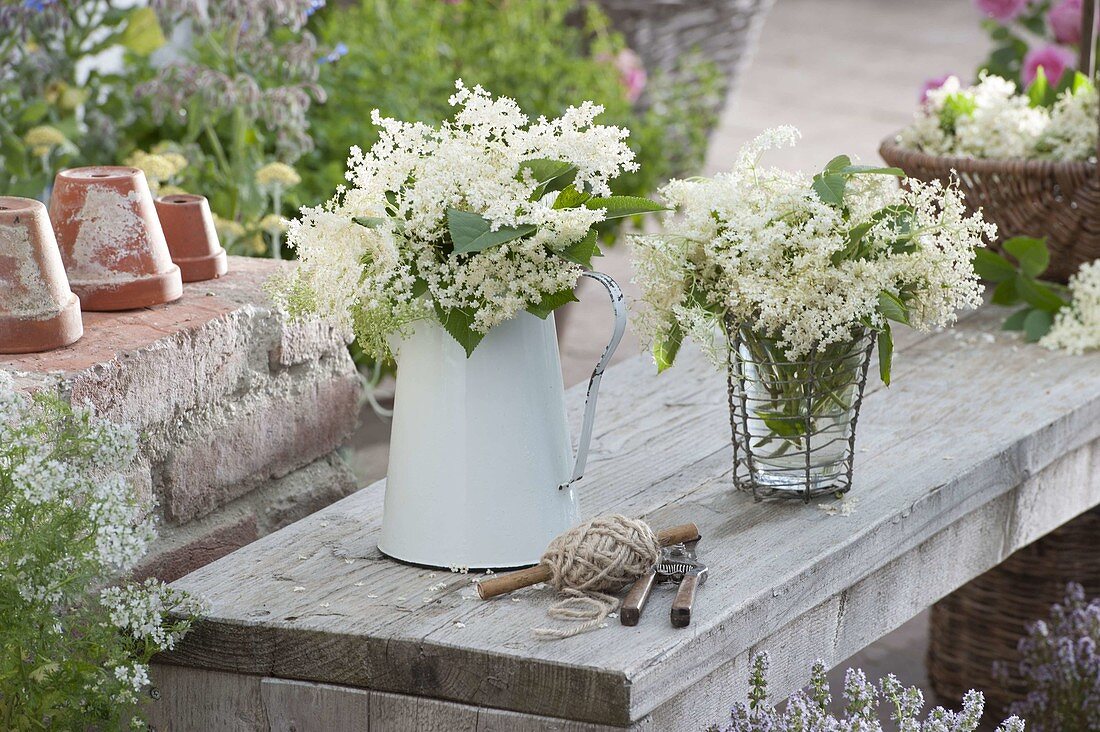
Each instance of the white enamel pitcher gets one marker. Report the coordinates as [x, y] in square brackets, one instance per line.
[480, 470]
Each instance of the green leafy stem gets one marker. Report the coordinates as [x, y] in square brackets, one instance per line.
[1018, 283]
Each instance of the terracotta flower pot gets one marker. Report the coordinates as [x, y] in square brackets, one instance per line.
[192, 239]
[111, 239]
[38, 311]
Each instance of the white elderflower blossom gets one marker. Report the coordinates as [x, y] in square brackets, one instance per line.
[991, 120]
[1077, 326]
[1071, 134]
[380, 255]
[762, 247]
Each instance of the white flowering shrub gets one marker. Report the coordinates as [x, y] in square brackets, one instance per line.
[468, 223]
[74, 647]
[810, 261]
[991, 120]
[808, 710]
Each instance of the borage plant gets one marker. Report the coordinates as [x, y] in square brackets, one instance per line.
[808, 710]
[798, 273]
[469, 223]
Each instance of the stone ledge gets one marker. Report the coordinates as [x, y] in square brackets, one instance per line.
[240, 412]
[182, 549]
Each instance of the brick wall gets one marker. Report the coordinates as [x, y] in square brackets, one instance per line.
[241, 414]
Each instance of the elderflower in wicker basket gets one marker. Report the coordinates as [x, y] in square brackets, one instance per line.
[787, 280]
[470, 223]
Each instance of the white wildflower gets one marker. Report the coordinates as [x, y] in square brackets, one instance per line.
[1077, 326]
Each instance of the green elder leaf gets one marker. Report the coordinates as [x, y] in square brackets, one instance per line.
[143, 33]
[829, 187]
[1038, 295]
[551, 175]
[992, 266]
[665, 349]
[892, 308]
[583, 250]
[782, 424]
[1016, 320]
[371, 222]
[570, 197]
[471, 232]
[544, 169]
[459, 324]
[1037, 324]
[1005, 293]
[1032, 254]
[620, 207]
[551, 302]
[885, 342]
[840, 162]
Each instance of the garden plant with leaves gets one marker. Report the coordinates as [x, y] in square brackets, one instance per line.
[799, 270]
[1057, 316]
[808, 710]
[402, 57]
[57, 106]
[1018, 284]
[1027, 34]
[76, 640]
[467, 224]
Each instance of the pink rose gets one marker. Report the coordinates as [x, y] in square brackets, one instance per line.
[931, 85]
[1065, 21]
[1002, 10]
[1054, 60]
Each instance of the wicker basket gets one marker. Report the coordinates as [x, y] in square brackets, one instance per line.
[1058, 200]
[981, 622]
[661, 31]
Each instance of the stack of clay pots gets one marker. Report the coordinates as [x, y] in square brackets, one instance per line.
[101, 247]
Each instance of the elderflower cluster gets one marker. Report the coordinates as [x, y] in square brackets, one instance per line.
[760, 247]
[1076, 327]
[991, 120]
[374, 280]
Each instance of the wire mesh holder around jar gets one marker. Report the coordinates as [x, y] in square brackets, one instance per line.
[814, 460]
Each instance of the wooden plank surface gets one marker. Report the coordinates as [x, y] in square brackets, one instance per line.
[947, 451]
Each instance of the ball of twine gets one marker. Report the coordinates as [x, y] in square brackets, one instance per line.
[598, 556]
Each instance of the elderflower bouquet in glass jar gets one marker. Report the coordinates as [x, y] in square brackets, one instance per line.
[788, 280]
[450, 250]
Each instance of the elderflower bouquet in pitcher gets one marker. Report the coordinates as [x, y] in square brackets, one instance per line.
[788, 280]
[450, 249]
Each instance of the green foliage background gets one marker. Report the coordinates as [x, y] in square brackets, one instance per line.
[404, 56]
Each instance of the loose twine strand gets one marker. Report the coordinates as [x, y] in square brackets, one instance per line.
[590, 560]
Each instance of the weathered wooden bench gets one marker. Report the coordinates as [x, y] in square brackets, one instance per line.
[982, 445]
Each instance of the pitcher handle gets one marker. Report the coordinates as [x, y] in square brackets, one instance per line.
[618, 305]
